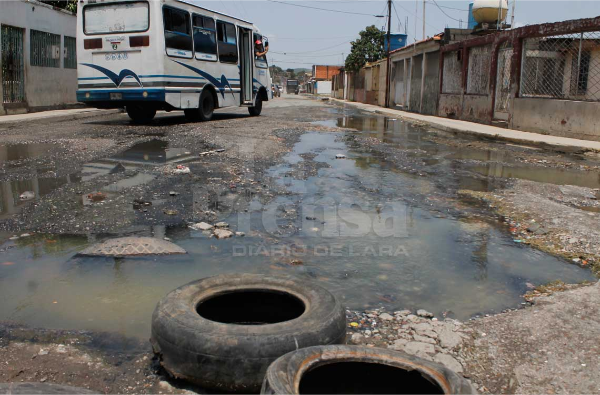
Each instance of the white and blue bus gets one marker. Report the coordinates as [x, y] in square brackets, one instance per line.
[167, 55]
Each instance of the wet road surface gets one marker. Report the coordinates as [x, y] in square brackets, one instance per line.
[365, 205]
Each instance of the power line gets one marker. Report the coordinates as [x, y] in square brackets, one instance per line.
[453, 8]
[316, 50]
[417, 17]
[325, 9]
[444, 12]
[396, 11]
[311, 38]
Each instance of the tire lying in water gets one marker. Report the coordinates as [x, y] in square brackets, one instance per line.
[359, 370]
[223, 332]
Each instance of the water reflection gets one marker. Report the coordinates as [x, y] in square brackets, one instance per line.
[15, 194]
[18, 151]
[354, 226]
[588, 179]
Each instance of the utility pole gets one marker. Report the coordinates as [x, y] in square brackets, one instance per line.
[416, 13]
[387, 52]
[423, 19]
[512, 17]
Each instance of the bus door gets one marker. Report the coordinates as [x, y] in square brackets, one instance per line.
[246, 65]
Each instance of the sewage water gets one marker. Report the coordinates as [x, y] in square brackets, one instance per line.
[350, 224]
[18, 151]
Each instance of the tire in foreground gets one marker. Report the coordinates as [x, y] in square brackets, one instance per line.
[359, 370]
[223, 332]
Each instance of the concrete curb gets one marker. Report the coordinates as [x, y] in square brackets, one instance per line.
[54, 116]
[486, 131]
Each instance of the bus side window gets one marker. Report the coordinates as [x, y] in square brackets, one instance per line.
[178, 38]
[259, 61]
[205, 40]
[227, 42]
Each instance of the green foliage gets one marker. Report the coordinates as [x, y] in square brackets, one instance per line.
[69, 5]
[368, 48]
[291, 73]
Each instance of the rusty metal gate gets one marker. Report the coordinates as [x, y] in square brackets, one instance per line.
[13, 75]
[501, 108]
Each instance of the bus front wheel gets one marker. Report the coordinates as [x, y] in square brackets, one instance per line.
[257, 109]
[140, 114]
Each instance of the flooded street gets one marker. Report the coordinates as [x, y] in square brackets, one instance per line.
[378, 229]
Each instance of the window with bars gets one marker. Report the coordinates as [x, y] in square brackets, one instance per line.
[44, 49]
[562, 67]
[70, 52]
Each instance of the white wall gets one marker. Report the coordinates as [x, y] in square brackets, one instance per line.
[44, 86]
[323, 87]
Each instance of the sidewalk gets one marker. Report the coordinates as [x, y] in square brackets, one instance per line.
[55, 115]
[453, 125]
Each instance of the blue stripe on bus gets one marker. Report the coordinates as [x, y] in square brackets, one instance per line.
[92, 78]
[154, 76]
[171, 76]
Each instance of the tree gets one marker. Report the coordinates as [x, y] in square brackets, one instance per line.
[291, 73]
[368, 48]
[69, 5]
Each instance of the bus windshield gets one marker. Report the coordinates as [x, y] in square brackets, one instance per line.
[116, 18]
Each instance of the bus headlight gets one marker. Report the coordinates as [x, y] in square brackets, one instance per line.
[87, 95]
[145, 94]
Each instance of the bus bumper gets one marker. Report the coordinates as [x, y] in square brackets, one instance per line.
[119, 97]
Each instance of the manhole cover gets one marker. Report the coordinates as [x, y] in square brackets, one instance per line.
[133, 246]
[41, 388]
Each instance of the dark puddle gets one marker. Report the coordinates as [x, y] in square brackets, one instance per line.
[20, 151]
[153, 152]
[590, 209]
[588, 179]
[356, 225]
[496, 163]
[15, 194]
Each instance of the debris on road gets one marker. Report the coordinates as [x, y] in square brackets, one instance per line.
[223, 233]
[181, 169]
[27, 195]
[340, 156]
[201, 226]
[96, 196]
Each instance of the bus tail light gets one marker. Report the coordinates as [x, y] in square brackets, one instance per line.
[139, 41]
[92, 43]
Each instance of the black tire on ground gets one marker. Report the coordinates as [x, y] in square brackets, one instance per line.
[359, 370]
[257, 109]
[41, 388]
[223, 332]
[140, 114]
[205, 110]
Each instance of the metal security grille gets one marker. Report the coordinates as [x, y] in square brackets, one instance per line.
[452, 73]
[503, 78]
[70, 53]
[562, 67]
[478, 76]
[13, 76]
[44, 49]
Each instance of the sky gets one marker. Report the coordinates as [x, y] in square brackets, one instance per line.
[300, 37]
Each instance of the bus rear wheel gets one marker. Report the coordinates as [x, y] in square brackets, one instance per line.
[140, 114]
[205, 110]
[257, 109]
